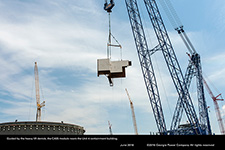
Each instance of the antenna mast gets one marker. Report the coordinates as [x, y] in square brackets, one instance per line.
[39, 105]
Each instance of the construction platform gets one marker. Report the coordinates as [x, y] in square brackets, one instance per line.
[40, 128]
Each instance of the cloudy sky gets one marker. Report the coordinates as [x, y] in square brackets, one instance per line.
[66, 37]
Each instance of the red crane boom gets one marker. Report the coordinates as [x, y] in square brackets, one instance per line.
[217, 109]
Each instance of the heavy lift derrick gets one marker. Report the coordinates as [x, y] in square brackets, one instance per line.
[195, 64]
[181, 83]
[173, 65]
[194, 69]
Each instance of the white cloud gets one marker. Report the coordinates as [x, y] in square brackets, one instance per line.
[223, 111]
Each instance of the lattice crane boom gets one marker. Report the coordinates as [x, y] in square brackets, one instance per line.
[172, 64]
[110, 128]
[39, 105]
[194, 69]
[182, 83]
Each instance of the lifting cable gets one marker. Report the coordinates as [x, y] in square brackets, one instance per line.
[163, 86]
[109, 44]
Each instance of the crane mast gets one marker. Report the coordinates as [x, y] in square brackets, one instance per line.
[39, 105]
[133, 114]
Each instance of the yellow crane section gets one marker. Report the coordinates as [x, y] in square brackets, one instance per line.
[39, 105]
[133, 114]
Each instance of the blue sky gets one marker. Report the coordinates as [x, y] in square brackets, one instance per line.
[66, 37]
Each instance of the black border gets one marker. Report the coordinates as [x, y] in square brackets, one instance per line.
[118, 141]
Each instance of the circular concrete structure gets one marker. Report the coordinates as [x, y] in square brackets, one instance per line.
[40, 128]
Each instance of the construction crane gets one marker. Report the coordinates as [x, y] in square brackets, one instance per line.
[217, 109]
[214, 98]
[194, 69]
[39, 105]
[110, 128]
[133, 114]
[182, 83]
[195, 62]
